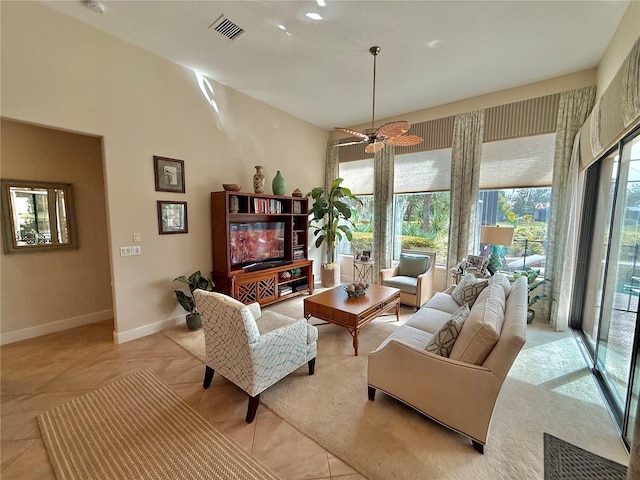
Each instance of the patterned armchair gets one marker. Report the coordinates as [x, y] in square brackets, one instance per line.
[251, 348]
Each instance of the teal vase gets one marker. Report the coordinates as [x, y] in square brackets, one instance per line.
[278, 184]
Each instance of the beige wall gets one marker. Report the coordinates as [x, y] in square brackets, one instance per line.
[43, 287]
[77, 78]
[73, 77]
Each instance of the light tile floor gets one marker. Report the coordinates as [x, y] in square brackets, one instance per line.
[40, 373]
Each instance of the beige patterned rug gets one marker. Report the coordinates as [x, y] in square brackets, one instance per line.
[138, 428]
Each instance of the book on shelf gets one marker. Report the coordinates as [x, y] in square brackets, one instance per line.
[298, 254]
[284, 289]
[267, 206]
[302, 286]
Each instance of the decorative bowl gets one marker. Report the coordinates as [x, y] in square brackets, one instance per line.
[231, 187]
[356, 289]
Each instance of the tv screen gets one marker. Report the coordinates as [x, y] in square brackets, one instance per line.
[256, 242]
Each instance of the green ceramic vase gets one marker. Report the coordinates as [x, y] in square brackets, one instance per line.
[278, 184]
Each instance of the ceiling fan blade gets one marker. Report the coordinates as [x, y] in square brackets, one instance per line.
[393, 129]
[374, 147]
[353, 133]
[405, 140]
[349, 143]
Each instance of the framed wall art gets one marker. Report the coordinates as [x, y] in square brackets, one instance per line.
[169, 174]
[172, 217]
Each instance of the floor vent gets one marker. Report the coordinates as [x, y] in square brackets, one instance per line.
[227, 28]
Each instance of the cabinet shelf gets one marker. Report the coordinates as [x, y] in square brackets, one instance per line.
[263, 286]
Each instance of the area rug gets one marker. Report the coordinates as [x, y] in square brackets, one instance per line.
[385, 439]
[138, 428]
[565, 461]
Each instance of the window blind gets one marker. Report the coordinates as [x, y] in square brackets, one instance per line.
[358, 176]
[428, 171]
[517, 162]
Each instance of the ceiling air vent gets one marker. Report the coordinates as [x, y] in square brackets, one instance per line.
[226, 27]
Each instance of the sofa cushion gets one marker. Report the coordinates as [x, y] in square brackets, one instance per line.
[412, 265]
[494, 291]
[444, 339]
[405, 284]
[409, 336]
[502, 280]
[468, 289]
[429, 319]
[479, 333]
[443, 302]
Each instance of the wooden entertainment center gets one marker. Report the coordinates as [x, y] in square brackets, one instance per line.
[241, 224]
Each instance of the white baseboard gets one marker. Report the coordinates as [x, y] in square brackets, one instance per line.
[53, 327]
[135, 333]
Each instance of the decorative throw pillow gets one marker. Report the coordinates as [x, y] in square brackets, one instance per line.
[468, 289]
[442, 342]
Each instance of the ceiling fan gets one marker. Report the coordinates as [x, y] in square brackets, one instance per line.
[392, 133]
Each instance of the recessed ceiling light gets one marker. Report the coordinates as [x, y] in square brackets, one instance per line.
[314, 16]
[282, 27]
[434, 43]
[321, 3]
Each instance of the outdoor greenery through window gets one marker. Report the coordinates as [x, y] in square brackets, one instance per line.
[363, 228]
[421, 222]
[525, 209]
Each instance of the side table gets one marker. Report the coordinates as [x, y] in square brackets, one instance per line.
[363, 271]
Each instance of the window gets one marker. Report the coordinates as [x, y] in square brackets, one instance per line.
[421, 202]
[515, 191]
[358, 177]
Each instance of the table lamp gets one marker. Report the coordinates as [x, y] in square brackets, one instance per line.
[496, 236]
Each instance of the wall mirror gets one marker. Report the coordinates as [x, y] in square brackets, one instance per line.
[37, 216]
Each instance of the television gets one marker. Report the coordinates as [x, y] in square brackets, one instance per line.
[254, 242]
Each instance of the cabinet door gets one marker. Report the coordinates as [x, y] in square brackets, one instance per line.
[262, 290]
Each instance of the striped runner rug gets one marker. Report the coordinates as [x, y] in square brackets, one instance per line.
[138, 428]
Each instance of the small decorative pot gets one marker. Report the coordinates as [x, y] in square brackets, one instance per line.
[277, 185]
[258, 180]
[530, 315]
[234, 204]
[194, 322]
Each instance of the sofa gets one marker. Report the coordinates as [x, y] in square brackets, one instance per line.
[413, 275]
[456, 381]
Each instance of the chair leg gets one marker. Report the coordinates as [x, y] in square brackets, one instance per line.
[312, 366]
[372, 393]
[208, 376]
[478, 446]
[252, 408]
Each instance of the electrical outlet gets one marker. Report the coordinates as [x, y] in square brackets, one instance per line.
[136, 237]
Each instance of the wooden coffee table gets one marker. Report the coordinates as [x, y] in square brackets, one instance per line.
[335, 306]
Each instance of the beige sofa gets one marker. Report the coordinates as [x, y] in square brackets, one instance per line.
[458, 391]
[413, 275]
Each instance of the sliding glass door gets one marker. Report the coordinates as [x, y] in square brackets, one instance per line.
[608, 305]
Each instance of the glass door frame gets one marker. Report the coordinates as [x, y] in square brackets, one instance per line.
[620, 414]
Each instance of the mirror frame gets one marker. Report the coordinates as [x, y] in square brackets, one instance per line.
[9, 229]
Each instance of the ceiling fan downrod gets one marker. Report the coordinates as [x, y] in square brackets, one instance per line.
[374, 51]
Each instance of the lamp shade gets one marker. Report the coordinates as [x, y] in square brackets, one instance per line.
[496, 235]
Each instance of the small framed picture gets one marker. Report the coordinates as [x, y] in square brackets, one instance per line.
[366, 256]
[169, 174]
[172, 217]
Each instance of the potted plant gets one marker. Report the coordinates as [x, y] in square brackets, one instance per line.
[331, 211]
[532, 284]
[195, 281]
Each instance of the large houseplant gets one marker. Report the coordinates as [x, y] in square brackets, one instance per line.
[532, 284]
[332, 212]
[194, 281]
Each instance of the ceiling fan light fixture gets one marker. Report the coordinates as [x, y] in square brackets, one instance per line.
[392, 133]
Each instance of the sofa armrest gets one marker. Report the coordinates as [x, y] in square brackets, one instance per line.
[388, 273]
[255, 310]
[459, 395]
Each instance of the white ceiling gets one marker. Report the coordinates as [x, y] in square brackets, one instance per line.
[433, 52]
